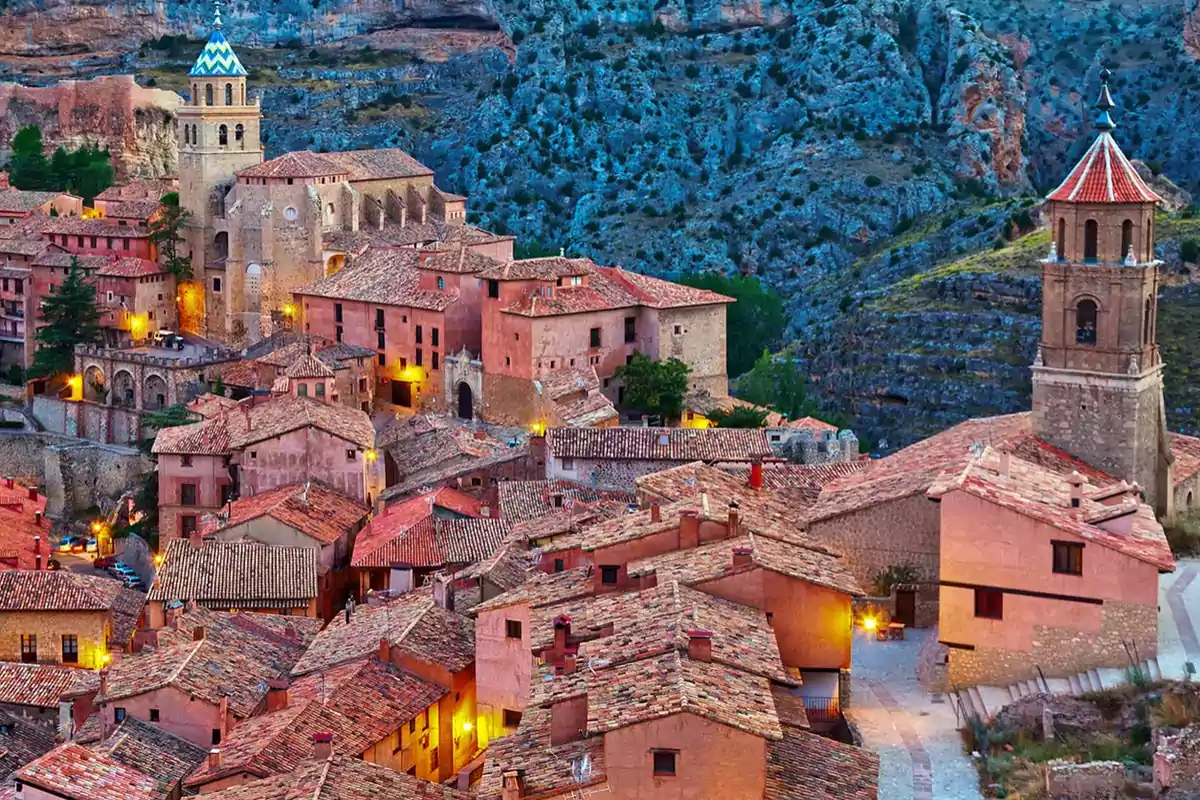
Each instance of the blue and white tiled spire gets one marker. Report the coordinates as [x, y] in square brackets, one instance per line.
[217, 59]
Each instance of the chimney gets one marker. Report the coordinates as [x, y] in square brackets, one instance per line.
[290, 632]
[103, 682]
[1004, 463]
[277, 694]
[655, 512]
[743, 556]
[33, 493]
[214, 759]
[196, 539]
[700, 645]
[9, 483]
[37, 518]
[37, 551]
[689, 529]
[322, 746]
[481, 435]
[485, 510]
[1076, 481]
[385, 650]
[734, 518]
[223, 714]
[198, 633]
[443, 591]
[569, 663]
[562, 632]
[756, 474]
[514, 785]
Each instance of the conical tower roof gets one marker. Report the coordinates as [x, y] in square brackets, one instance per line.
[217, 59]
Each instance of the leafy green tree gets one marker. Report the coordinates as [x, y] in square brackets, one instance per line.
[777, 382]
[69, 317]
[740, 417]
[656, 387]
[755, 321]
[29, 169]
[92, 174]
[165, 233]
[62, 167]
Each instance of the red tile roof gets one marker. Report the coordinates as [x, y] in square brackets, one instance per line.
[384, 276]
[378, 164]
[360, 702]
[20, 201]
[142, 189]
[313, 509]
[75, 772]
[1186, 450]
[29, 590]
[152, 751]
[130, 268]
[296, 164]
[459, 259]
[805, 766]
[1041, 494]
[209, 437]
[799, 484]
[284, 414]
[341, 778]
[237, 575]
[605, 288]
[658, 444]
[93, 227]
[42, 685]
[140, 210]
[526, 500]
[308, 366]
[411, 534]
[19, 526]
[211, 405]
[1104, 175]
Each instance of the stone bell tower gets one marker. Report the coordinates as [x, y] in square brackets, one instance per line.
[218, 135]
[1097, 377]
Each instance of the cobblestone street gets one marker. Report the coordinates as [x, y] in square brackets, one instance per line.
[917, 739]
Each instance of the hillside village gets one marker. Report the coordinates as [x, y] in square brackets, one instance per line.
[316, 490]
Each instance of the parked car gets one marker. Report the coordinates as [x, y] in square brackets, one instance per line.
[133, 582]
[71, 544]
[118, 569]
[167, 338]
[105, 562]
[92, 545]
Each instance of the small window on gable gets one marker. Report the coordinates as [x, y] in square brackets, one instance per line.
[664, 763]
[608, 575]
[350, 454]
[512, 719]
[512, 628]
[1068, 558]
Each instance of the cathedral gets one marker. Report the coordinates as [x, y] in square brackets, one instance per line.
[259, 229]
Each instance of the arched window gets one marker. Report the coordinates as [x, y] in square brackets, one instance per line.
[1085, 322]
[223, 136]
[1091, 237]
[195, 135]
[239, 132]
[1188, 502]
[1146, 323]
[195, 94]
[1148, 245]
[229, 94]
[208, 94]
[1126, 237]
[187, 135]
[1061, 244]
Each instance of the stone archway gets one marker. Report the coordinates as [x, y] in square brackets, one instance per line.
[466, 404]
[124, 389]
[154, 393]
[253, 293]
[95, 386]
[221, 244]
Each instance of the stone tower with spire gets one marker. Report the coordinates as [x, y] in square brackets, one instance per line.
[1097, 378]
[218, 135]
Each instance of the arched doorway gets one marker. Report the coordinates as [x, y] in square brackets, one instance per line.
[154, 393]
[221, 245]
[123, 389]
[95, 387]
[466, 408]
[253, 287]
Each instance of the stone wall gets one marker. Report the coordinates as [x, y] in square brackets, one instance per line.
[897, 532]
[73, 474]
[1060, 652]
[1095, 780]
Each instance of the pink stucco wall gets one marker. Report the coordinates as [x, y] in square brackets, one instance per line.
[208, 473]
[307, 453]
[986, 545]
[714, 760]
[188, 717]
[503, 667]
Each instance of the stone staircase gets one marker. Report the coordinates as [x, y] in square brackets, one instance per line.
[982, 702]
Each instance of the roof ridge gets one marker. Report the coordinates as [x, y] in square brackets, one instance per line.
[175, 675]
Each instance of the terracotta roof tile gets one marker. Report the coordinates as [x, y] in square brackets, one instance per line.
[59, 590]
[799, 484]
[269, 638]
[317, 511]
[544, 589]
[550, 770]
[1104, 175]
[21, 201]
[382, 275]
[1044, 495]
[360, 702]
[152, 751]
[526, 500]
[141, 189]
[412, 234]
[296, 164]
[21, 741]
[141, 210]
[130, 268]
[715, 559]
[210, 405]
[805, 766]
[78, 226]
[658, 444]
[378, 164]
[19, 527]
[411, 533]
[341, 778]
[237, 575]
[459, 259]
[75, 772]
[281, 415]
[605, 288]
[412, 622]
[209, 437]
[308, 366]
[1186, 450]
[42, 685]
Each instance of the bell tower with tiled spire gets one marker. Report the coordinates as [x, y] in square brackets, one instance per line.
[1097, 378]
[218, 135]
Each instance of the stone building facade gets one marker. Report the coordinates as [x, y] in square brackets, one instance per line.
[1097, 380]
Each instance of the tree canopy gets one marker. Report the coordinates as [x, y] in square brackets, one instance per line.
[70, 317]
[740, 417]
[86, 172]
[755, 321]
[776, 381]
[164, 232]
[656, 387]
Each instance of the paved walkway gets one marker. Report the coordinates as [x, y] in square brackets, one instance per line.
[1178, 612]
[920, 750]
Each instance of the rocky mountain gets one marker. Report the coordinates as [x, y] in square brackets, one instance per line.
[874, 160]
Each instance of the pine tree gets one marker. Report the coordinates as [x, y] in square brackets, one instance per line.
[69, 317]
[30, 170]
[62, 167]
[164, 232]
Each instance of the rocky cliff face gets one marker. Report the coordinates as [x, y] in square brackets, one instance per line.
[865, 157]
[136, 124]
